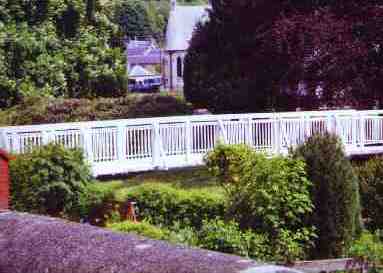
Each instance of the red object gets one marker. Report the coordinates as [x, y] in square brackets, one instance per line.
[4, 180]
[131, 212]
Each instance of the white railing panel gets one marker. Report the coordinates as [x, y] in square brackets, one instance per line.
[174, 138]
[139, 142]
[263, 135]
[120, 146]
[204, 136]
[104, 145]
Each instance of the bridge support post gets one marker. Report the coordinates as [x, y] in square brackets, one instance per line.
[249, 134]
[121, 147]
[223, 132]
[47, 137]
[4, 141]
[87, 138]
[361, 132]
[331, 123]
[188, 140]
[277, 135]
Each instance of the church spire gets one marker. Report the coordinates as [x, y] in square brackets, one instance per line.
[173, 4]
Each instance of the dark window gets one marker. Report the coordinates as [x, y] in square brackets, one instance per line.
[179, 67]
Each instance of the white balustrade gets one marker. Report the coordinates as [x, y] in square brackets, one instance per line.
[122, 146]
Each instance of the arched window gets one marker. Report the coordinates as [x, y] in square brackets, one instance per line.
[179, 67]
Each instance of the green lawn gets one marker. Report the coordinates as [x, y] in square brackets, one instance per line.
[188, 178]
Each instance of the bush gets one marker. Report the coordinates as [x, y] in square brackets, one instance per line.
[50, 180]
[368, 248]
[160, 105]
[165, 205]
[38, 110]
[227, 237]
[183, 235]
[335, 194]
[270, 196]
[142, 228]
[371, 189]
[223, 237]
[99, 205]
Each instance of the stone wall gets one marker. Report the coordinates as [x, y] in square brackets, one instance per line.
[37, 244]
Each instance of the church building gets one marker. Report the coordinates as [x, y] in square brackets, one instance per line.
[181, 24]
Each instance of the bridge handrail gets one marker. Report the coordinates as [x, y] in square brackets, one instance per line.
[118, 146]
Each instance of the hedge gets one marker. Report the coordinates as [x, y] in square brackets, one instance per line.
[164, 205]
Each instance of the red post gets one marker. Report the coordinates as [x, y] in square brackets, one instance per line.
[4, 180]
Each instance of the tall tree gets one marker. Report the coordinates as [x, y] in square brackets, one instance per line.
[58, 48]
[133, 18]
[285, 54]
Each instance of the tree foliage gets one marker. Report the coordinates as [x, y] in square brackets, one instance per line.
[140, 19]
[270, 196]
[285, 54]
[58, 48]
[50, 180]
[335, 194]
[370, 175]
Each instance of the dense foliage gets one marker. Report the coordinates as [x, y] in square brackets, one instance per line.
[370, 175]
[141, 228]
[50, 180]
[214, 234]
[368, 248]
[164, 205]
[58, 48]
[140, 19]
[270, 196]
[38, 110]
[286, 54]
[335, 194]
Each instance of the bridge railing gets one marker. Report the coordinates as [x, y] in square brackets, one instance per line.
[121, 146]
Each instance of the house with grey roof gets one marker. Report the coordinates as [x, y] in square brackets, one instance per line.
[143, 53]
[181, 24]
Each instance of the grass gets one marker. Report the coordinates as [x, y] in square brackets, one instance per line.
[188, 178]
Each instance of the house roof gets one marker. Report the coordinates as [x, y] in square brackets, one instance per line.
[181, 24]
[139, 71]
[143, 52]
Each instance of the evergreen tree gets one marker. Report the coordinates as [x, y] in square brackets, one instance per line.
[335, 194]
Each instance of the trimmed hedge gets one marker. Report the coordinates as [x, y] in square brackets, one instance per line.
[38, 110]
[164, 205]
[140, 228]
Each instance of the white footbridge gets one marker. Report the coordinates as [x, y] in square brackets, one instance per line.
[131, 145]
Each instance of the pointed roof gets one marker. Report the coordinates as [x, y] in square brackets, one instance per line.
[139, 71]
[143, 52]
[181, 24]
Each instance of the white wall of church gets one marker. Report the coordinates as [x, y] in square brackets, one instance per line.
[173, 71]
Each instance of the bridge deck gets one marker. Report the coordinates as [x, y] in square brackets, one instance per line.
[122, 146]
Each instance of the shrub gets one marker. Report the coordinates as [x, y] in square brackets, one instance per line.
[165, 205]
[270, 196]
[160, 105]
[183, 235]
[37, 110]
[224, 237]
[142, 228]
[335, 194]
[368, 248]
[50, 180]
[100, 205]
[371, 189]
